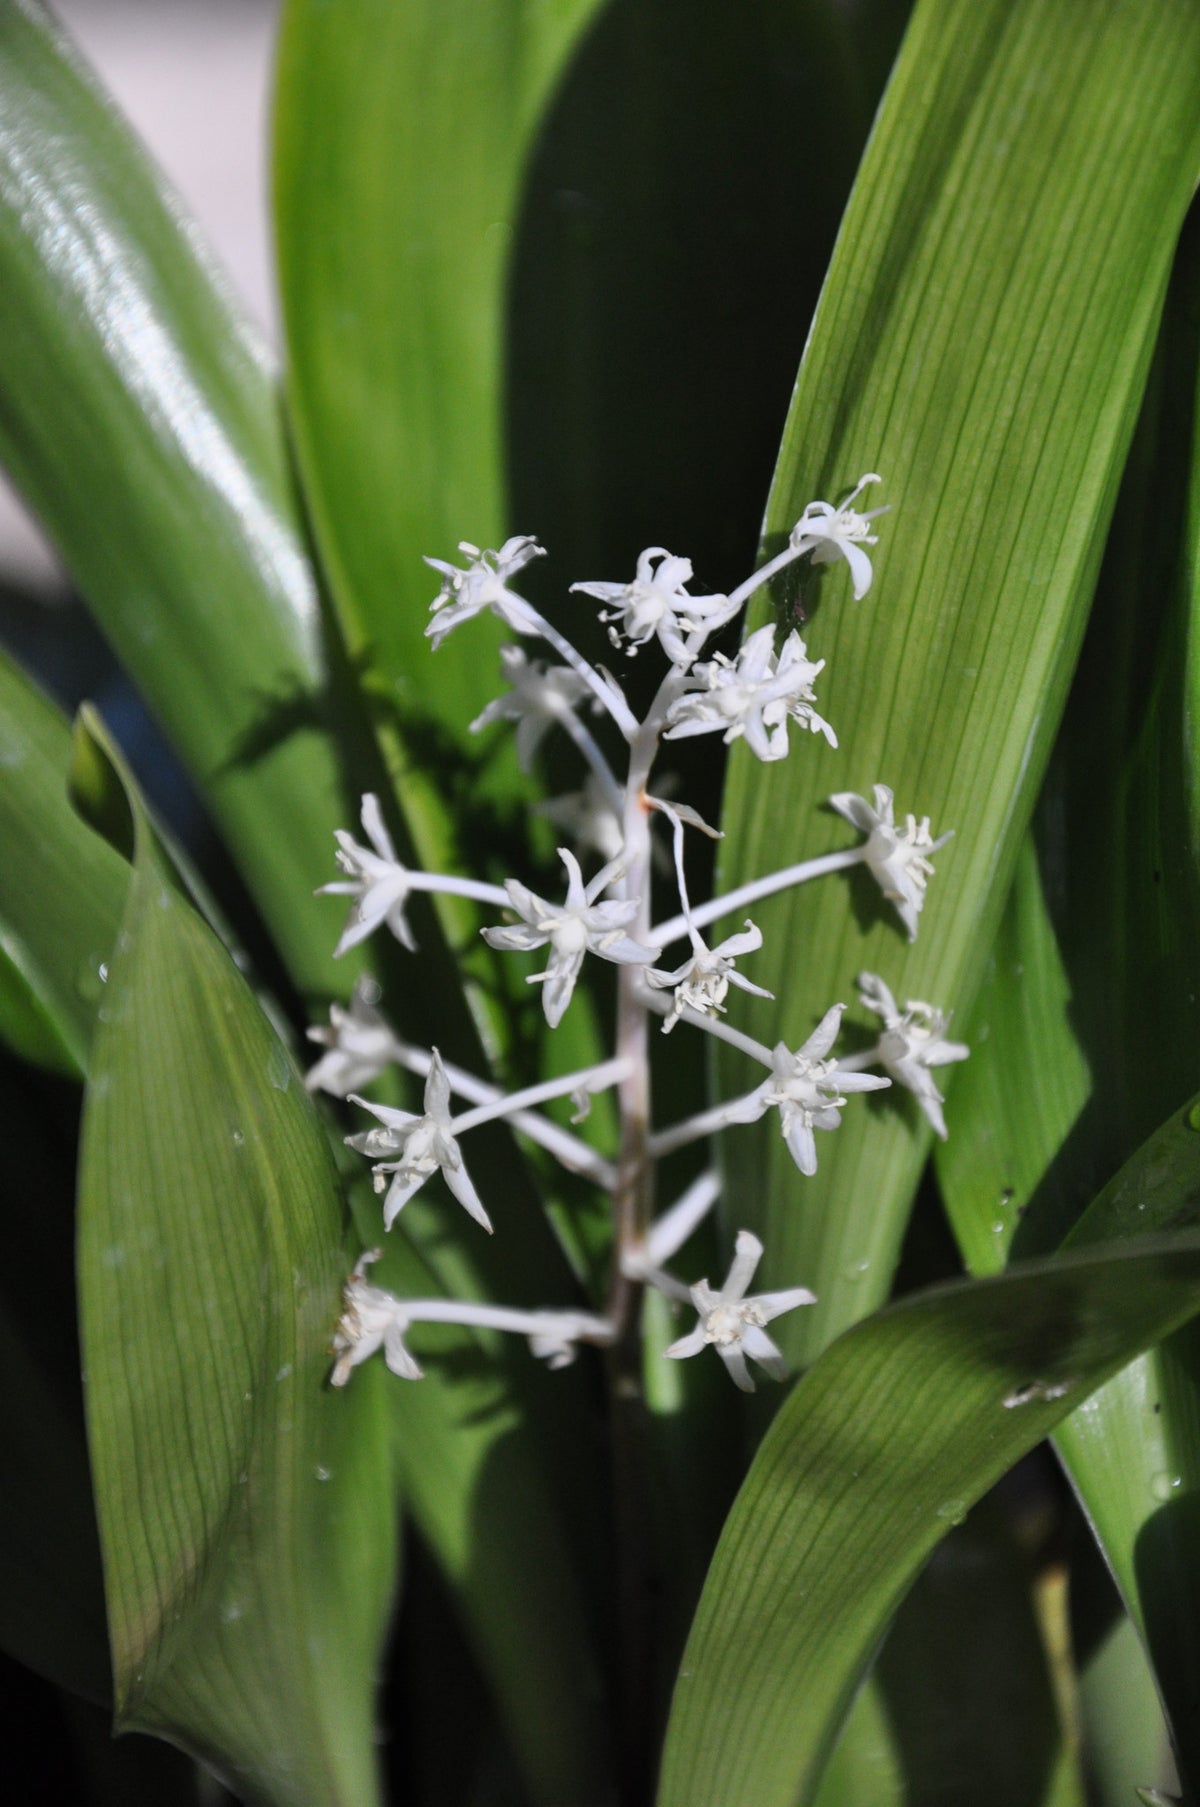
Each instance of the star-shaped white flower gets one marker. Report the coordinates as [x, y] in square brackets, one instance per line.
[377, 881]
[897, 857]
[571, 929]
[753, 695]
[538, 696]
[483, 584]
[702, 982]
[656, 602]
[830, 532]
[808, 1089]
[360, 1043]
[372, 1318]
[424, 1143]
[913, 1041]
[732, 1324]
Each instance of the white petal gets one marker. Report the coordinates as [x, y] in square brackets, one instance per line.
[397, 1356]
[459, 1182]
[402, 1188]
[772, 1305]
[437, 1091]
[691, 1344]
[735, 1361]
[802, 1143]
[760, 1348]
[856, 809]
[558, 982]
[860, 567]
[375, 830]
[746, 1259]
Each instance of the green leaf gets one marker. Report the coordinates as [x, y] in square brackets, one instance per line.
[402, 133]
[477, 1444]
[1084, 1030]
[982, 341]
[61, 887]
[140, 420]
[884, 1444]
[247, 1513]
[960, 1704]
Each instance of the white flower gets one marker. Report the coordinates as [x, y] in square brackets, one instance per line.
[360, 1043]
[702, 982]
[842, 532]
[808, 1090]
[539, 695]
[898, 857]
[655, 603]
[483, 585]
[378, 882]
[732, 1324]
[752, 695]
[371, 1318]
[912, 1042]
[570, 929]
[424, 1143]
[587, 817]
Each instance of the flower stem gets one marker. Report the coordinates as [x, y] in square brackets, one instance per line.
[676, 927]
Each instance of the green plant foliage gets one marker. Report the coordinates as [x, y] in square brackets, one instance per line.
[140, 420]
[884, 1444]
[1085, 1027]
[402, 134]
[61, 887]
[982, 341]
[247, 1514]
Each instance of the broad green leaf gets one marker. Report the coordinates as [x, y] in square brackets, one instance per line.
[884, 1444]
[61, 886]
[1126, 1740]
[141, 422]
[1085, 1028]
[402, 134]
[477, 1441]
[959, 1704]
[982, 341]
[247, 1513]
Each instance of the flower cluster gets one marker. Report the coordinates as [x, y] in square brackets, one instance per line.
[754, 695]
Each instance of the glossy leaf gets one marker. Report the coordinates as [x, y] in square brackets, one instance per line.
[884, 1444]
[61, 887]
[982, 341]
[247, 1513]
[402, 133]
[141, 422]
